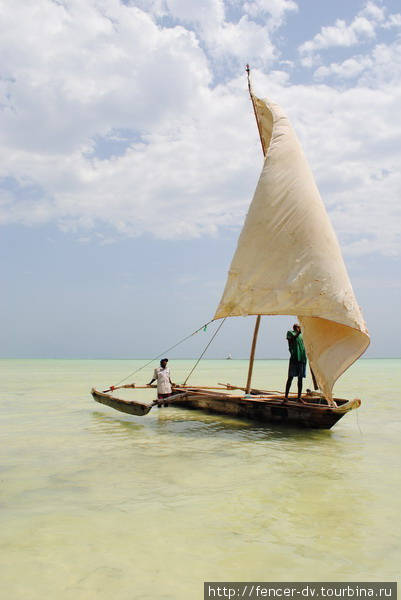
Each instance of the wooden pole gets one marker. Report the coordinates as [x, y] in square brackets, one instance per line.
[255, 333]
[252, 356]
[248, 71]
[315, 385]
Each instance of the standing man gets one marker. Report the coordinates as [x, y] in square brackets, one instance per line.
[297, 365]
[162, 376]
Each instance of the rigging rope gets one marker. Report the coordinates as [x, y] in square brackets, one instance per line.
[197, 362]
[168, 350]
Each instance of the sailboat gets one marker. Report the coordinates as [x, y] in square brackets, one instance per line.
[287, 262]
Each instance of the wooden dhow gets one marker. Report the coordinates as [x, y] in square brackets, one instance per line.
[258, 406]
[287, 262]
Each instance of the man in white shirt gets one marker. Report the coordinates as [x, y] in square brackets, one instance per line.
[162, 376]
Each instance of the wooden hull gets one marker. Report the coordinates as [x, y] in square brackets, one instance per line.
[130, 407]
[266, 409]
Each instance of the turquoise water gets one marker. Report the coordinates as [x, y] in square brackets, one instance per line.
[98, 504]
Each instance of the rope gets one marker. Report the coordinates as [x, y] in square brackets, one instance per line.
[165, 352]
[199, 359]
[357, 420]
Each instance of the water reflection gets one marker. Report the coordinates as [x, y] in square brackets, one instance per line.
[107, 423]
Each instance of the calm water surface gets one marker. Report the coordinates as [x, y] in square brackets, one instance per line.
[98, 504]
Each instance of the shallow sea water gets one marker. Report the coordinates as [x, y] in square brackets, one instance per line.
[99, 504]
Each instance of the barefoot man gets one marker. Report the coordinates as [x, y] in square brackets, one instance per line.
[162, 376]
[297, 364]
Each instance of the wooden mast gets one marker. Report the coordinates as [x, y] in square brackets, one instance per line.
[257, 324]
[254, 109]
[252, 356]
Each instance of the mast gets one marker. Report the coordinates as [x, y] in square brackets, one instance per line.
[248, 71]
[257, 324]
[252, 356]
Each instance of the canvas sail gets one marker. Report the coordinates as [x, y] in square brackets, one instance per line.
[288, 261]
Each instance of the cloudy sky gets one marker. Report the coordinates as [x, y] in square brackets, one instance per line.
[129, 156]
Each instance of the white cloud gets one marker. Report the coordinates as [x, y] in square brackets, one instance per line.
[110, 118]
[245, 40]
[208, 13]
[83, 74]
[381, 66]
[362, 29]
[275, 10]
[393, 21]
[239, 40]
[350, 68]
[385, 70]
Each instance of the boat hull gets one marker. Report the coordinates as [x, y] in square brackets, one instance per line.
[291, 413]
[314, 413]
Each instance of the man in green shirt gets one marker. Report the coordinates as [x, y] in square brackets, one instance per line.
[297, 365]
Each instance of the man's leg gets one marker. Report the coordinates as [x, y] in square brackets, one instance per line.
[299, 387]
[287, 387]
[300, 390]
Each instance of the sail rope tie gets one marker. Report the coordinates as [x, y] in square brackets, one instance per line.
[199, 359]
[203, 328]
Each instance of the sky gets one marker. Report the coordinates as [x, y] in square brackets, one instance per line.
[130, 154]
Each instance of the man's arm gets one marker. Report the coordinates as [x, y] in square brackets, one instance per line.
[154, 377]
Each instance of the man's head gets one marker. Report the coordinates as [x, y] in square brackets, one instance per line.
[163, 362]
[296, 327]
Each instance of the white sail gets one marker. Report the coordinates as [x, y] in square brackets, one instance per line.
[288, 261]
